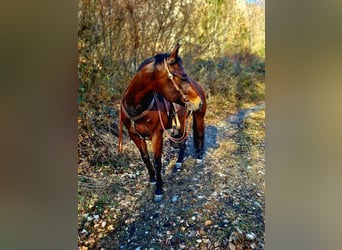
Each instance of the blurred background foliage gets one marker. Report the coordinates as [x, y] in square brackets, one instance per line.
[222, 47]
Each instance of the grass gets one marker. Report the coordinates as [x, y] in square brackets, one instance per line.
[113, 194]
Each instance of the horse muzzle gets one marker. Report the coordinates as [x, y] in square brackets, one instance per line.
[195, 104]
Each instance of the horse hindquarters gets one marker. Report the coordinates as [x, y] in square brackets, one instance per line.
[198, 122]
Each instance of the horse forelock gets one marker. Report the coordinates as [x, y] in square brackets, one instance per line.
[160, 58]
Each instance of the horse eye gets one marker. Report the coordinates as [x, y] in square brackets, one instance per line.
[184, 78]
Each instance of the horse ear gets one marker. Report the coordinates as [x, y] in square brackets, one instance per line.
[173, 55]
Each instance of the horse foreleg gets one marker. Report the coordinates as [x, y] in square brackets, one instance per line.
[142, 146]
[198, 129]
[157, 145]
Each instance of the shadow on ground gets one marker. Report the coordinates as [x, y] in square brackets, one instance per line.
[208, 206]
[174, 220]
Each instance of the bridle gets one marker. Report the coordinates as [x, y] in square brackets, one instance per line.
[170, 75]
[185, 99]
[186, 130]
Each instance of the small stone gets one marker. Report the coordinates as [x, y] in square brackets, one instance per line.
[250, 236]
[257, 204]
[208, 223]
[174, 198]
[182, 246]
[201, 232]
[206, 241]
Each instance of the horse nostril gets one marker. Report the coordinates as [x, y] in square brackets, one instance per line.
[184, 77]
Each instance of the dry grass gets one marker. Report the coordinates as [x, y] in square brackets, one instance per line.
[219, 205]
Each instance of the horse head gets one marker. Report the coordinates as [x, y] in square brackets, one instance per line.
[177, 86]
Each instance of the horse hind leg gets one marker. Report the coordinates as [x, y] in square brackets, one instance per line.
[198, 129]
[180, 158]
[199, 150]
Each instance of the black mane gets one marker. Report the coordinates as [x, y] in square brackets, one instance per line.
[145, 62]
[157, 59]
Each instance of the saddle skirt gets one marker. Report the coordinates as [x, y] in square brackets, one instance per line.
[172, 112]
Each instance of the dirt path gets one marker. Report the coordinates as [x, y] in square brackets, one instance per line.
[216, 205]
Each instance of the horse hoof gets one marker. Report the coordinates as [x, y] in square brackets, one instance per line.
[158, 197]
[199, 161]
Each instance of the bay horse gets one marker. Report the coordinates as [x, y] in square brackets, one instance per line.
[146, 111]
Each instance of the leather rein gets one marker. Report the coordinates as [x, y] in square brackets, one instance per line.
[155, 100]
[169, 136]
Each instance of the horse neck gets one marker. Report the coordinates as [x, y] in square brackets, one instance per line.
[138, 90]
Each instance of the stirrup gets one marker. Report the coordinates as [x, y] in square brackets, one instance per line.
[175, 120]
[176, 126]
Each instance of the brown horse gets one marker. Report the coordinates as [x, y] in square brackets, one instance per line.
[159, 89]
